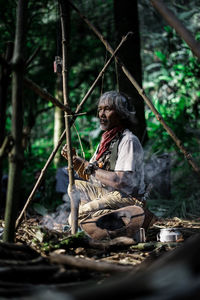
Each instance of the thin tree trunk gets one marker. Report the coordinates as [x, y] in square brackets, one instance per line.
[4, 82]
[16, 155]
[65, 22]
[173, 21]
[126, 19]
[58, 121]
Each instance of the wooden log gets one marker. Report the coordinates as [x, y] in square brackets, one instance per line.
[88, 264]
[153, 245]
[116, 243]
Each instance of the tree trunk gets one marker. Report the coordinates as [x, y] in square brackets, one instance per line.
[16, 155]
[58, 121]
[4, 83]
[126, 19]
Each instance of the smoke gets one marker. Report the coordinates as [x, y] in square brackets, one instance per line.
[158, 175]
[58, 219]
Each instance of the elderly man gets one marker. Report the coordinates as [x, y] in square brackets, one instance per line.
[114, 177]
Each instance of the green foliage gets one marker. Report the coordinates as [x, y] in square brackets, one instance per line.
[172, 81]
[174, 85]
[48, 244]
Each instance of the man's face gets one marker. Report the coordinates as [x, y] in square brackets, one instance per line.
[108, 116]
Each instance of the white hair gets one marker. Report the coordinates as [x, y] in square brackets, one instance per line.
[120, 102]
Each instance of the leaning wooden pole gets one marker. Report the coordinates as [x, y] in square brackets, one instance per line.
[64, 16]
[16, 155]
[36, 88]
[174, 22]
[78, 109]
[178, 142]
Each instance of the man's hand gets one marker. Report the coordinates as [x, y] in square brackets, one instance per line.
[79, 163]
[64, 152]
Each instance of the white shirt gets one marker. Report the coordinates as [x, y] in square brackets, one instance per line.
[129, 160]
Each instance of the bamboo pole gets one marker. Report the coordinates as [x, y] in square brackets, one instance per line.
[16, 155]
[174, 22]
[177, 141]
[64, 16]
[78, 109]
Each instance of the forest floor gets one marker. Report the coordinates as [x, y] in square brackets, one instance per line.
[76, 259]
[56, 240]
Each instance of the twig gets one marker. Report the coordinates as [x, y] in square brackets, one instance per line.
[31, 58]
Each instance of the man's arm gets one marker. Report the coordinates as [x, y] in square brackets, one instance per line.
[117, 180]
[79, 166]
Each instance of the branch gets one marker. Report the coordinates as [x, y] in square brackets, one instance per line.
[174, 22]
[45, 95]
[82, 263]
[31, 58]
[37, 89]
[6, 146]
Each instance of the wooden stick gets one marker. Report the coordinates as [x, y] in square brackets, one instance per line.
[31, 58]
[64, 16]
[45, 95]
[7, 144]
[174, 22]
[178, 142]
[78, 109]
[37, 89]
[81, 263]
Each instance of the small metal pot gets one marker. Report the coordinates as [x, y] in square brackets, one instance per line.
[169, 235]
